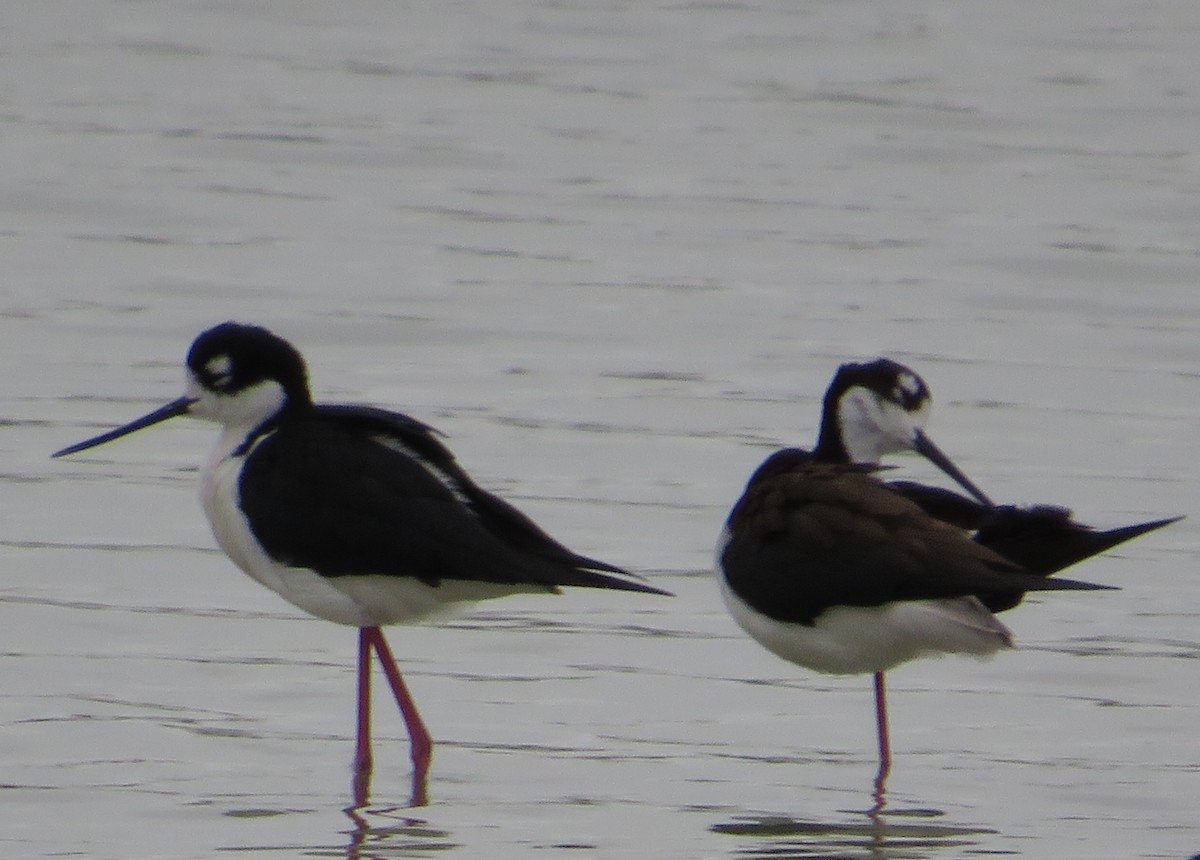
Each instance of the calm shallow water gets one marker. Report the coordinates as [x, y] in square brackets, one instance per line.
[615, 253]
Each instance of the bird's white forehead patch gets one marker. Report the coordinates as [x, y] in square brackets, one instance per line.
[909, 384]
[219, 366]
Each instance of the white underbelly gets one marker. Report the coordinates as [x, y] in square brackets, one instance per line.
[356, 600]
[852, 640]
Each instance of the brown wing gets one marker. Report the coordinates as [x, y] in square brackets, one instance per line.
[816, 535]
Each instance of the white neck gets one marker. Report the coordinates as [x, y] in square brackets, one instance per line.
[243, 410]
[872, 426]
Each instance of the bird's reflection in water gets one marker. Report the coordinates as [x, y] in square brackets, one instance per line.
[879, 792]
[361, 786]
[390, 831]
[918, 835]
[390, 828]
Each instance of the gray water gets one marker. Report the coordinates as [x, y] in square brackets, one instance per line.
[614, 251]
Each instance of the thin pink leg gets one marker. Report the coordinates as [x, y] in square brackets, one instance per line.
[362, 749]
[362, 745]
[421, 743]
[885, 744]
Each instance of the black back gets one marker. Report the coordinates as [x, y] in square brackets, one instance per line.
[347, 490]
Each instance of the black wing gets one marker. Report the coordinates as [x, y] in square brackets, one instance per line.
[355, 490]
[1042, 539]
[1045, 539]
[945, 505]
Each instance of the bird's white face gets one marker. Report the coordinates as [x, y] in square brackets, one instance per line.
[874, 424]
[216, 400]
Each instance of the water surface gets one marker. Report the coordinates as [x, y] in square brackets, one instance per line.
[614, 251]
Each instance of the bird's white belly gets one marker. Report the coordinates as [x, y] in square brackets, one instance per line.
[851, 640]
[356, 600]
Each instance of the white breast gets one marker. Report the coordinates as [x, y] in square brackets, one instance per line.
[358, 601]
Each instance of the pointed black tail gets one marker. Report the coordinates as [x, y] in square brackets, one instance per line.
[1045, 540]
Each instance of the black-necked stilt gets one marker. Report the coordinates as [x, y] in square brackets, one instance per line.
[354, 514]
[834, 570]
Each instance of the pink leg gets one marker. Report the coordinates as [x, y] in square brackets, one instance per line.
[421, 743]
[362, 750]
[362, 746]
[885, 745]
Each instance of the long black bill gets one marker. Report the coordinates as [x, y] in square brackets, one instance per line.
[175, 407]
[923, 445]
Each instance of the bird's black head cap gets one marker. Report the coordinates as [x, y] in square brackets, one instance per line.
[232, 357]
